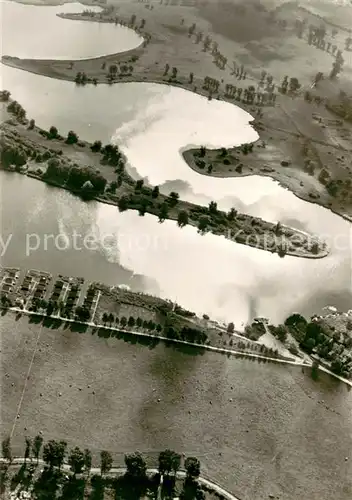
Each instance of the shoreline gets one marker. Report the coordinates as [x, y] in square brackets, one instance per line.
[98, 199]
[189, 159]
[218, 350]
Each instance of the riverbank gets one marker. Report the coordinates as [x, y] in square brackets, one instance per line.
[94, 171]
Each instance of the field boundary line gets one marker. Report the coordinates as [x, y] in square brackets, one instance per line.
[26, 381]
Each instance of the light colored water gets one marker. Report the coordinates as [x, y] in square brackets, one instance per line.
[208, 274]
[36, 32]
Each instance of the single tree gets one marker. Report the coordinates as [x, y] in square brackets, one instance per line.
[87, 460]
[131, 321]
[192, 466]
[163, 212]
[6, 449]
[165, 461]
[176, 462]
[315, 370]
[203, 224]
[232, 214]
[173, 198]
[72, 137]
[136, 466]
[213, 207]
[53, 132]
[230, 328]
[123, 321]
[155, 192]
[31, 124]
[96, 146]
[54, 453]
[27, 451]
[182, 218]
[105, 462]
[123, 203]
[76, 460]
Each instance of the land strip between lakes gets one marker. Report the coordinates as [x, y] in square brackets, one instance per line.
[94, 171]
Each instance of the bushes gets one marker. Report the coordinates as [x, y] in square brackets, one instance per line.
[74, 177]
[11, 155]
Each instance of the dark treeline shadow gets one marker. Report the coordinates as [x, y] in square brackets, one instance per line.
[78, 327]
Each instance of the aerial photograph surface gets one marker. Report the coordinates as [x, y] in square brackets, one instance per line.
[176, 249]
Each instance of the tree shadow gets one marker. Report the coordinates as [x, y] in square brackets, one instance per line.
[46, 486]
[4, 477]
[23, 477]
[36, 318]
[127, 488]
[73, 489]
[53, 323]
[98, 488]
[186, 349]
[78, 327]
[18, 477]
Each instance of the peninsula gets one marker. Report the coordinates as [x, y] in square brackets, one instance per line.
[97, 171]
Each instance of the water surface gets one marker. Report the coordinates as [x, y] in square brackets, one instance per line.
[35, 32]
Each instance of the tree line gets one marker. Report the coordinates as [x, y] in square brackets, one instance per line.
[136, 479]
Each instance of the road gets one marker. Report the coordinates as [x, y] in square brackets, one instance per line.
[118, 470]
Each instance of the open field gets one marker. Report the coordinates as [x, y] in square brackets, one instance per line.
[293, 130]
[102, 393]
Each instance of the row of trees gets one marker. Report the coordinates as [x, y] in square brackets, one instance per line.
[172, 329]
[16, 109]
[131, 322]
[54, 454]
